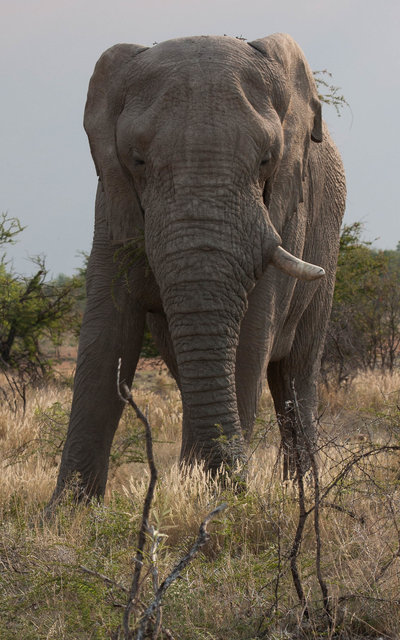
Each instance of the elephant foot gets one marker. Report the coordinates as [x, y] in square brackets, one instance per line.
[75, 489]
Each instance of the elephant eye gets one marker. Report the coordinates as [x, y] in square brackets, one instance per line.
[137, 160]
[266, 158]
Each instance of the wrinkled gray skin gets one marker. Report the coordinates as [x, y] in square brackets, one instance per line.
[213, 149]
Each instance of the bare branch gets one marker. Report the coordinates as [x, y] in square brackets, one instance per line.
[166, 632]
[201, 540]
[105, 579]
[133, 594]
[156, 539]
[315, 474]
[348, 512]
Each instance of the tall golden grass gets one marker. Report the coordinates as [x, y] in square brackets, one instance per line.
[64, 578]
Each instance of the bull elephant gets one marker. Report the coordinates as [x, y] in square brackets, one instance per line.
[217, 172]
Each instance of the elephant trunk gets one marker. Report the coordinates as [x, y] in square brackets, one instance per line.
[211, 426]
[204, 307]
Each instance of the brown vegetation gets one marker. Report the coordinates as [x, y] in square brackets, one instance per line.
[69, 578]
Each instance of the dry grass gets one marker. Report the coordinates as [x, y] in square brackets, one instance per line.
[241, 585]
[369, 391]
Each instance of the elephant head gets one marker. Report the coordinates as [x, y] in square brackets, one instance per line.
[202, 143]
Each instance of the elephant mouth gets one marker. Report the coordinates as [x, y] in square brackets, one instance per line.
[287, 263]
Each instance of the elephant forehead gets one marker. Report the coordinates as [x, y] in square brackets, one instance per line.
[206, 126]
[202, 67]
[187, 110]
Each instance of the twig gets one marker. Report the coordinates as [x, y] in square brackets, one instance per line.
[347, 512]
[294, 552]
[127, 398]
[166, 632]
[280, 570]
[156, 538]
[396, 554]
[362, 596]
[315, 473]
[353, 461]
[202, 538]
[105, 579]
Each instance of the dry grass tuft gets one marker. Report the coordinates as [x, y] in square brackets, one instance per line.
[368, 391]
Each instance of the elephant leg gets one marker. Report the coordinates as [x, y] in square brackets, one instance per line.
[112, 328]
[293, 385]
[294, 394]
[96, 407]
[158, 326]
[252, 354]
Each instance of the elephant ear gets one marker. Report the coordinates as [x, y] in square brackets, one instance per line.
[300, 111]
[105, 102]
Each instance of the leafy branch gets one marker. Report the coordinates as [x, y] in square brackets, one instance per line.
[329, 93]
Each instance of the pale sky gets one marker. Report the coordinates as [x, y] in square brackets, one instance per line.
[48, 49]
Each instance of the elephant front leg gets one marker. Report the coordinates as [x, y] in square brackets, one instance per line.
[295, 398]
[252, 354]
[112, 328]
[96, 407]
[293, 383]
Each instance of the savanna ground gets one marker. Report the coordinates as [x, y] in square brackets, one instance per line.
[68, 577]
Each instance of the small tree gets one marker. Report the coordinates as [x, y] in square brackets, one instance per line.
[364, 330]
[32, 310]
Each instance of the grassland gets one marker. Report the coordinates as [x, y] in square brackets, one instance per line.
[67, 578]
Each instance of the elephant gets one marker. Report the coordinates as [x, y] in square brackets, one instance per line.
[218, 177]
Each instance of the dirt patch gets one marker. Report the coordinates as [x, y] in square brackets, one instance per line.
[152, 364]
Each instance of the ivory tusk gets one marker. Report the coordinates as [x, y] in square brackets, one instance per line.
[284, 261]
